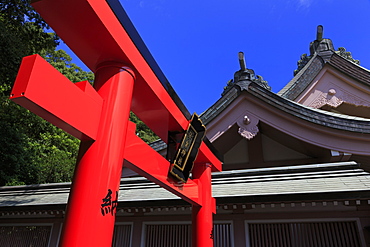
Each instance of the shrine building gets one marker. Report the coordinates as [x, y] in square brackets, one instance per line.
[295, 173]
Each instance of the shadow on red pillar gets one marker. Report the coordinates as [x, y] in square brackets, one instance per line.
[202, 217]
[94, 193]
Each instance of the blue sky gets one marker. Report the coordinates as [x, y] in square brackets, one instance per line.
[196, 42]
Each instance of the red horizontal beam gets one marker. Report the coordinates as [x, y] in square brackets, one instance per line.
[144, 160]
[40, 88]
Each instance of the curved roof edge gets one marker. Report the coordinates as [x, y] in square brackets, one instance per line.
[313, 115]
[316, 116]
[350, 69]
[312, 68]
[303, 78]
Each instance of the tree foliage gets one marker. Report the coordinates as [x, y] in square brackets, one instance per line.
[22, 33]
[31, 150]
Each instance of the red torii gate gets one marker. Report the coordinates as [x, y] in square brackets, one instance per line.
[126, 77]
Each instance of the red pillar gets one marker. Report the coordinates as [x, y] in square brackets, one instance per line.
[202, 217]
[93, 199]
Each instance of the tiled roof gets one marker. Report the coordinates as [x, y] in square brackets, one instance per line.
[309, 180]
[34, 195]
[350, 68]
[303, 78]
[306, 179]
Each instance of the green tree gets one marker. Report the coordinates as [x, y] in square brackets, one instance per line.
[31, 149]
[22, 33]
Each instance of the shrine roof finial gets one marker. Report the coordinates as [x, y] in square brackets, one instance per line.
[243, 65]
[319, 33]
[245, 74]
[321, 45]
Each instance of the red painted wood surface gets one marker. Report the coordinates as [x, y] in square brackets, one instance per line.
[202, 216]
[75, 108]
[137, 155]
[93, 199]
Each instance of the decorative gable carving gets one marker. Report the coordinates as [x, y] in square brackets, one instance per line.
[248, 126]
[335, 97]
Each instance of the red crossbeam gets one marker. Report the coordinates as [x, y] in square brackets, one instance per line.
[43, 90]
[137, 155]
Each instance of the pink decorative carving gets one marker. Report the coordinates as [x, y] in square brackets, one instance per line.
[248, 127]
[326, 99]
[248, 133]
[335, 98]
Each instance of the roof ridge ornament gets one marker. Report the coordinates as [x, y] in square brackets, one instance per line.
[245, 74]
[242, 63]
[320, 45]
[347, 55]
[319, 33]
[325, 49]
[304, 59]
